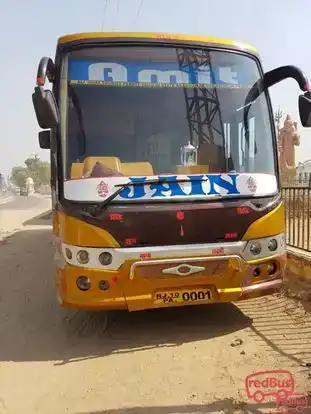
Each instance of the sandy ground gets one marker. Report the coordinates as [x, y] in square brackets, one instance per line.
[55, 361]
[15, 211]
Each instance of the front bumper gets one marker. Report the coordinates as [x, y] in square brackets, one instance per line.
[133, 275]
[137, 293]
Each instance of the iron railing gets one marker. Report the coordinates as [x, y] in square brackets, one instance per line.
[297, 201]
[306, 182]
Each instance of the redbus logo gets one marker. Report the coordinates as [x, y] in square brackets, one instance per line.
[278, 383]
[293, 402]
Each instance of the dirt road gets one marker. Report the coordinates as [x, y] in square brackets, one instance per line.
[55, 361]
[16, 210]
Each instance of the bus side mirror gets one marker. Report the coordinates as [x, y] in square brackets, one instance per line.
[304, 103]
[45, 107]
[44, 139]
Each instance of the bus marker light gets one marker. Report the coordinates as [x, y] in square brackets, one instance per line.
[103, 285]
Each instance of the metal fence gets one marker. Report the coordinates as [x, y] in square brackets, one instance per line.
[297, 183]
[297, 201]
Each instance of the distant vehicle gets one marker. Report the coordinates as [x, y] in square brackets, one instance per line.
[23, 192]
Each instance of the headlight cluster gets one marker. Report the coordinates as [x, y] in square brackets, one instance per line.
[83, 257]
[256, 248]
[265, 247]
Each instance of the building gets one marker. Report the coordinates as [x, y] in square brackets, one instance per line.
[303, 172]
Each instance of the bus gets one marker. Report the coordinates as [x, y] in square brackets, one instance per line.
[164, 171]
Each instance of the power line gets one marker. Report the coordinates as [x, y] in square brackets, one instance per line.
[140, 6]
[138, 11]
[116, 18]
[104, 14]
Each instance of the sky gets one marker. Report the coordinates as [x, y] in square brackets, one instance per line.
[29, 30]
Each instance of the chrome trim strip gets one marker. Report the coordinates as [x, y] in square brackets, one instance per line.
[264, 285]
[183, 260]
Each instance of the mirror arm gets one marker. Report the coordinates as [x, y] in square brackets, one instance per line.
[271, 78]
[275, 76]
[46, 69]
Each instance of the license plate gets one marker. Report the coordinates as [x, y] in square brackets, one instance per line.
[183, 296]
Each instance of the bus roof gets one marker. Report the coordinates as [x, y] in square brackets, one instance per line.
[78, 37]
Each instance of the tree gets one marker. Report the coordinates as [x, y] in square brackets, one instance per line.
[18, 176]
[38, 170]
[45, 173]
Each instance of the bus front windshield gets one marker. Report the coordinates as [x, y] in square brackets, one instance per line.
[153, 110]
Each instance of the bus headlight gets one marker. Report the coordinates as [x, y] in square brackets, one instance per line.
[255, 248]
[83, 256]
[105, 258]
[273, 245]
[68, 253]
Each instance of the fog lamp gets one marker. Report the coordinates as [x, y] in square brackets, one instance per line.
[256, 272]
[83, 283]
[272, 268]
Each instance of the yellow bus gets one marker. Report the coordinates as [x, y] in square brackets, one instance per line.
[164, 170]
